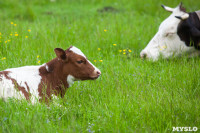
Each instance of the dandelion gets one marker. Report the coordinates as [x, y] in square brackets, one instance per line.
[105, 30]
[29, 30]
[11, 22]
[95, 60]
[11, 34]
[120, 51]
[114, 44]
[38, 62]
[26, 36]
[164, 46]
[100, 60]
[15, 24]
[124, 52]
[38, 56]
[99, 49]
[16, 34]
[8, 40]
[3, 58]
[129, 51]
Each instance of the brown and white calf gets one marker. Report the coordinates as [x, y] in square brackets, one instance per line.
[52, 78]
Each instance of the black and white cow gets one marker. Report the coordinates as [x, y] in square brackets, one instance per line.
[177, 34]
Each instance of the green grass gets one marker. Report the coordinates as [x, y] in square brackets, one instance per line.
[132, 95]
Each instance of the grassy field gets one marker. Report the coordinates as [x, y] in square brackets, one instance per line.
[132, 95]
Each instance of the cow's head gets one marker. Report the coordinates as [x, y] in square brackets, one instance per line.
[166, 42]
[75, 64]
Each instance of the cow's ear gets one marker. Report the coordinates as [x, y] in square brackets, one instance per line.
[60, 53]
[181, 8]
[183, 17]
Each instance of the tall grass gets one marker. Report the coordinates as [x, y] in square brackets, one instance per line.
[132, 95]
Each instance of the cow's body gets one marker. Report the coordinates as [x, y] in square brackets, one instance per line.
[41, 82]
[189, 30]
[178, 34]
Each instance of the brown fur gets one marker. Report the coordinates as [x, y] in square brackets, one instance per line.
[55, 72]
[17, 86]
[54, 80]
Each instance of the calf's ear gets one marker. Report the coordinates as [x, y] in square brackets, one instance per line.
[60, 53]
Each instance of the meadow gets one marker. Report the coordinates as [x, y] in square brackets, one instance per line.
[132, 95]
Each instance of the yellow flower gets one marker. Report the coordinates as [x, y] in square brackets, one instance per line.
[3, 58]
[105, 30]
[99, 49]
[129, 51]
[26, 36]
[8, 40]
[164, 46]
[15, 24]
[10, 34]
[38, 56]
[100, 60]
[95, 60]
[124, 52]
[120, 51]
[29, 30]
[38, 62]
[16, 34]
[114, 44]
[5, 41]
[0, 37]
[11, 22]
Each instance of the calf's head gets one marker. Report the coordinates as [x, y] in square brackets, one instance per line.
[75, 65]
[166, 42]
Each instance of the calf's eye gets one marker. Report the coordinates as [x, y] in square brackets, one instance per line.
[80, 61]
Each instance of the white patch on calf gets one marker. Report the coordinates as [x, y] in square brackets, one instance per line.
[77, 51]
[70, 80]
[7, 89]
[23, 75]
[95, 69]
[47, 67]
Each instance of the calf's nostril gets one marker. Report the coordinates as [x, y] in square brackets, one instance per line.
[98, 72]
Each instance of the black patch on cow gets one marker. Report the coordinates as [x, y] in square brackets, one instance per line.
[189, 30]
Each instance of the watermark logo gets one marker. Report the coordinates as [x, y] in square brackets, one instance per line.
[185, 129]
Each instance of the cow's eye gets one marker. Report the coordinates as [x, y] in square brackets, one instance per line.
[169, 34]
[80, 61]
